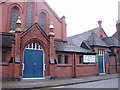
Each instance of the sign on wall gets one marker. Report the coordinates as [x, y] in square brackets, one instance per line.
[89, 58]
[17, 59]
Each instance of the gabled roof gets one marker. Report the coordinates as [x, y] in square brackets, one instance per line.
[38, 26]
[88, 37]
[78, 39]
[117, 35]
[85, 44]
[111, 41]
[52, 11]
[67, 47]
[93, 39]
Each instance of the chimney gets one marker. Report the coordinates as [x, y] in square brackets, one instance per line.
[64, 30]
[99, 23]
[118, 25]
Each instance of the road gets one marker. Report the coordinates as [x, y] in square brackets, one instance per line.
[111, 83]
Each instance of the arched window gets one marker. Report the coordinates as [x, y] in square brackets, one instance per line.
[101, 36]
[34, 46]
[29, 14]
[42, 20]
[14, 16]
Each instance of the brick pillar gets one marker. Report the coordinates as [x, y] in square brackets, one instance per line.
[18, 31]
[52, 52]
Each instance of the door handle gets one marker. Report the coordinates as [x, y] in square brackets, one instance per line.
[34, 64]
[22, 66]
[44, 67]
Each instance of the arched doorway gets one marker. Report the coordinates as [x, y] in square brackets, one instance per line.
[33, 61]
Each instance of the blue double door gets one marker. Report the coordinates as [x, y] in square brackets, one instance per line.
[101, 64]
[33, 63]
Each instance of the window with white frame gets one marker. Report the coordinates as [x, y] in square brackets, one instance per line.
[35, 46]
[101, 52]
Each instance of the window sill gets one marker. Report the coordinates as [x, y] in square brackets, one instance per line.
[86, 65]
[64, 65]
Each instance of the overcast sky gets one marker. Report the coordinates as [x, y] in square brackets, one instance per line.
[82, 15]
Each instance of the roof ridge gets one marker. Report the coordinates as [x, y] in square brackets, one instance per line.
[35, 24]
[44, 1]
[83, 32]
[94, 40]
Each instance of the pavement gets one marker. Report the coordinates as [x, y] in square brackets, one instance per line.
[54, 83]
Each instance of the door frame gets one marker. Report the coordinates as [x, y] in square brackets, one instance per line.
[43, 63]
[102, 53]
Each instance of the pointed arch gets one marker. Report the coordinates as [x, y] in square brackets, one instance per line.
[9, 16]
[14, 16]
[43, 20]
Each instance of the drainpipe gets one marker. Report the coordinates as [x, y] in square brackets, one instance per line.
[116, 57]
[74, 68]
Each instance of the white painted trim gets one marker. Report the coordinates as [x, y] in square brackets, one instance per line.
[102, 73]
[32, 44]
[103, 62]
[33, 78]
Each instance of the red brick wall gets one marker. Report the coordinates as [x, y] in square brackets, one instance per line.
[63, 70]
[112, 64]
[101, 32]
[10, 70]
[5, 70]
[37, 8]
[87, 69]
[81, 69]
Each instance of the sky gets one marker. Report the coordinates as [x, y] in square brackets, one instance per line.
[82, 15]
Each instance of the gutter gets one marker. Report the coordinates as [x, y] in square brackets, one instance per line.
[91, 53]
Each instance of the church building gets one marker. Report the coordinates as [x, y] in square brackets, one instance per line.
[35, 45]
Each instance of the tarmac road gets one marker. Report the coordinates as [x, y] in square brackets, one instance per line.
[111, 83]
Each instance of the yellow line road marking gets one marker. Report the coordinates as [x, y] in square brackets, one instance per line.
[58, 87]
[48, 88]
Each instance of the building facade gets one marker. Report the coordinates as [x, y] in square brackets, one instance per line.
[35, 45]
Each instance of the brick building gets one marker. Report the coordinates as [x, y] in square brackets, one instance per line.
[35, 46]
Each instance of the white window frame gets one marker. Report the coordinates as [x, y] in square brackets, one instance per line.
[39, 47]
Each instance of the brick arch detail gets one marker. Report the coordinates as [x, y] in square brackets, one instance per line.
[15, 5]
[43, 10]
[45, 49]
[20, 10]
[42, 44]
[47, 19]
